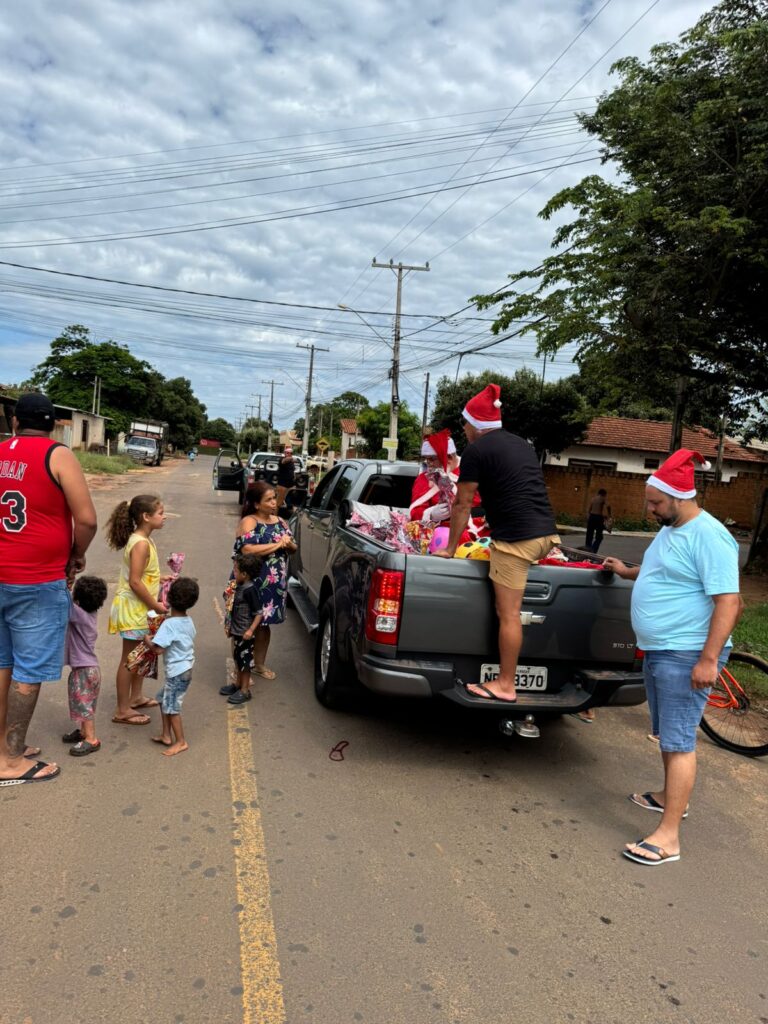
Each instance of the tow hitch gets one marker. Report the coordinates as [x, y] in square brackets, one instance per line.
[526, 728]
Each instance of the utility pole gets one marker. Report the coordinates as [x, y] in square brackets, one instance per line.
[396, 268]
[426, 408]
[258, 414]
[95, 389]
[271, 408]
[308, 407]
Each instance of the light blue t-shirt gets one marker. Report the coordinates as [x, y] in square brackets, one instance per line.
[177, 637]
[672, 597]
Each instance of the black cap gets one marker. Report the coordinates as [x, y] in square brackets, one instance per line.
[35, 412]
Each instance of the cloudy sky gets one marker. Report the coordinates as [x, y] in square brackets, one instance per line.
[265, 154]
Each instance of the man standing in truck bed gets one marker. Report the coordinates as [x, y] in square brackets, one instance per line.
[506, 471]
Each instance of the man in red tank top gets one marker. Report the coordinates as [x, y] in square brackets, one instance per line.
[47, 521]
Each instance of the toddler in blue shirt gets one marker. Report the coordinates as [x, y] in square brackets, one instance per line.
[175, 640]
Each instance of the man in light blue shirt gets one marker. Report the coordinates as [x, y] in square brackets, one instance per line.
[685, 604]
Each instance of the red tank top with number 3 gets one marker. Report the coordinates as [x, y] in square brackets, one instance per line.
[35, 520]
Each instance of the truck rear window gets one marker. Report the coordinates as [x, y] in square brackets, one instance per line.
[391, 490]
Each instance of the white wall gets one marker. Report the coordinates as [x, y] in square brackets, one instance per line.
[629, 461]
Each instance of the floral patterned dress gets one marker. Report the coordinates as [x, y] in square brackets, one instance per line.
[272, 582]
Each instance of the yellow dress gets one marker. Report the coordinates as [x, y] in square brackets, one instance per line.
[128, 612]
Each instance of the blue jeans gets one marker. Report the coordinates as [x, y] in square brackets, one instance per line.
[33, 628]
[675, 707]
[171, 697]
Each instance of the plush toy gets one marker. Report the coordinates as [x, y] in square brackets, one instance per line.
[479, 549]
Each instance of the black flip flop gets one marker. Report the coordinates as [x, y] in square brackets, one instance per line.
[491, 694]
[31, 776]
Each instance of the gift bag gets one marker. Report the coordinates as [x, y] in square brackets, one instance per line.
[142, 661]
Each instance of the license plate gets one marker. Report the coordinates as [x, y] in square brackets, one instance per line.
[527, 677]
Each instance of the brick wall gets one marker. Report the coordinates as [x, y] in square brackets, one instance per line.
[570, 491]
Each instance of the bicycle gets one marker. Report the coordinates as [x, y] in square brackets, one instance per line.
[736, 712]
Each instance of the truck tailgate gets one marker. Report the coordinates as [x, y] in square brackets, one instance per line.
[580, 616]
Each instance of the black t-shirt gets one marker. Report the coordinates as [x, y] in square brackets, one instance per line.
[286, 473]
[511, 484]
[245, 607]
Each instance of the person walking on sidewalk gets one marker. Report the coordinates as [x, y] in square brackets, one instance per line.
[506, 471]
[685, 603]
[47, 521]
[597, 520]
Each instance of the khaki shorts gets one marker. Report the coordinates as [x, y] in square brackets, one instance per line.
[511, 560]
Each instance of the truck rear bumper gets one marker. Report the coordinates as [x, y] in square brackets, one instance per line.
[414, 678]
[404, 678]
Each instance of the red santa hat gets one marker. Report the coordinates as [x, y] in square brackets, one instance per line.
[439, 446]
[482, 411]
[675, 476]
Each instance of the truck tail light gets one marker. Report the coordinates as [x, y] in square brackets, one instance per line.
[385, 605]
[638, 665]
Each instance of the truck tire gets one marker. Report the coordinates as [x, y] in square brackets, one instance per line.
[334, 679]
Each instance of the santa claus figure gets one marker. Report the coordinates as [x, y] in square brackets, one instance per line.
[435, 487]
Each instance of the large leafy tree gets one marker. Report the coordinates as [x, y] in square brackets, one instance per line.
[67, 376]
[130, 387]
[552, 416]
[347, 405]
[373, 424]
[668, 265]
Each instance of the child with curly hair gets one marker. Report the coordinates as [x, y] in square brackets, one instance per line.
[84, 683]
[130, 529]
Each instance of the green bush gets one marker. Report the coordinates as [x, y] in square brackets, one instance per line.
[93, 463]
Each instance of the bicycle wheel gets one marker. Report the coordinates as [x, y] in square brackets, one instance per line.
[736, 713]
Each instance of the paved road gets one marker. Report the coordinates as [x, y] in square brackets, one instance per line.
[438, 874]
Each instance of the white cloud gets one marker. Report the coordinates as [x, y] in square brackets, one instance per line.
[153, 89]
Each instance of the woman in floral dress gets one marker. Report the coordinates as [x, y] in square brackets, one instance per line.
[261, 532]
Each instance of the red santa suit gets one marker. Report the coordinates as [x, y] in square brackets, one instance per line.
[426, 494]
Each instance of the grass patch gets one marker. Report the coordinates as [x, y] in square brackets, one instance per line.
[93, 463]
[751, 633]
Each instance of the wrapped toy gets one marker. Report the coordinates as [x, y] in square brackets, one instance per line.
[479, 549]
[420, 535]
[175, 562]
[229, 600]
[389, 527]
[446, 486]
[142, 661]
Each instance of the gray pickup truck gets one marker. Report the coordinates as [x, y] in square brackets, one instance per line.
[411, 625]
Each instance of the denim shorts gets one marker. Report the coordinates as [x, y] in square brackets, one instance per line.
[33, 628]
[171, 697]
[675, 707]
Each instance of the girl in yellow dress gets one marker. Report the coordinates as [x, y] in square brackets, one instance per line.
[130, 528]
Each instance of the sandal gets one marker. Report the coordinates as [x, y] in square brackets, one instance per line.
[264, 672]
[132, 720]
[661, 855]
[72, 737]
[32, 775]
[146, 702]
[85, 747]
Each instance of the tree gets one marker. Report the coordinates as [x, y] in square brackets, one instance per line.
[220, 430]
[670, 263]
[551, 416]
[344, 406]
[130, 388]
[373, 424]
[67, 376]
[175, 402]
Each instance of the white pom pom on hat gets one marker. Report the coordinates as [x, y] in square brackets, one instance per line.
[482, 411]
[675, 476]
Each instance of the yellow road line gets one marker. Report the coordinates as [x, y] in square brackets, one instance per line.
[259, 964]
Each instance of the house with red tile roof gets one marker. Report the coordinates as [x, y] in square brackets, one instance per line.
[349, 438]
[640, 446]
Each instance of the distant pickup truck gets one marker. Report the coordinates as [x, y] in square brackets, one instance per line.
[410, 625]
[146, 441]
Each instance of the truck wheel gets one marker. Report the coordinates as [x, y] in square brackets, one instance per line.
[334, 680]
